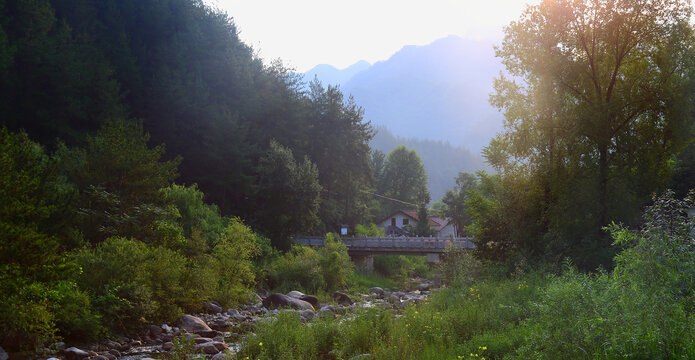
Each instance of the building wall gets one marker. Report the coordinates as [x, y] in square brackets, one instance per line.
[448, 231]
[399, 221]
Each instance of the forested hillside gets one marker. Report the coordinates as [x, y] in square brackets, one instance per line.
[442, 160]
[179, 67]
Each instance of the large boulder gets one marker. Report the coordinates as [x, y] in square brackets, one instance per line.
[193, 324]
[342, 299]
[281, 300]
[295, 294]
[73, 353]
[313, 300]
[376, 290]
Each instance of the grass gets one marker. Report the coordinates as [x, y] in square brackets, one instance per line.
[574, 316]
[362, 282]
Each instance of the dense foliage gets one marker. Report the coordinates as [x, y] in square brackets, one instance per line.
[66, 67]
[597, 102]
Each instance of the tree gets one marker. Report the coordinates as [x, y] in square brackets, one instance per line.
[454, 200]
[422, 228]
[404, 178]
[287, 195]
[600, 108]
[121, 181]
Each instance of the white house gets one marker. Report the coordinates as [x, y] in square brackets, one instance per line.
[396, 223]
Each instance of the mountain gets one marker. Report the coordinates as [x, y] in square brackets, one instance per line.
[330, 75]
[442, 160]
[437, 91]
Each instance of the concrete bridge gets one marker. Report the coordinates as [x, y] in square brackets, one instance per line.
[363, 249]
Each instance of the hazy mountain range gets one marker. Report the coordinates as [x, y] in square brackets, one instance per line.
[431, 98]
[437, 91]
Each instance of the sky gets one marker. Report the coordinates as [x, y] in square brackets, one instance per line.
[305, 33]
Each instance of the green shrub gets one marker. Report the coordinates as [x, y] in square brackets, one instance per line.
[335, 263]
[459, 267]
[298, 269]
[132, 282]
[232, 256]
[400, 267]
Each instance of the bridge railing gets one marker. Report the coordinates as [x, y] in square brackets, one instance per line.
[393, 242]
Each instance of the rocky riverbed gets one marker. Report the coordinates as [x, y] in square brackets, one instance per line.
[217, 333]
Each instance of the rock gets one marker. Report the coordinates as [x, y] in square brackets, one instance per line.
[341, 298]
[3, 354]
[223, 355]
[73, 353]
[394, 299]
[423, 287]
[262, 292]
[108, 355]
[208, 333]
[192, 323]
[280, 300]
[167, 346]
[232, 312]
[313, 300]
[361, 356]
[400, 294]
[213, 307]
[115, 353]
[135, 343]
[167, 329]
[202, 340]
[207, 348]
[295, 294]
[99, 357]
[376, 290]
[306, 315]
[156, 331]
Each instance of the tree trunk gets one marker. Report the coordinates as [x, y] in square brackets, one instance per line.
[603, 187]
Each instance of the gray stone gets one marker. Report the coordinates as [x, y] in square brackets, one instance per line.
[208, 333]
[207, 348]
[281, 300]
[295, 294]
[394, 299]
[313, 300]
[167, 346]
[166, 328]
[192, 323]
[100, 357]
[376, 290]
[73, 353]
[214, 308]
[3, 354]
[232, 312]
[307, 314]
[115, 353]
[156, 331]
[342, 298]
[423, 287]
[223, 355]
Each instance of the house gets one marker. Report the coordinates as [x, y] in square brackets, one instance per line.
[401, 220]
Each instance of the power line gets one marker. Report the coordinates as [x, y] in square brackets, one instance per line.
[388, 198]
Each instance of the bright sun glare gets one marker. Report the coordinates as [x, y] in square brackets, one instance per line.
[305, 33]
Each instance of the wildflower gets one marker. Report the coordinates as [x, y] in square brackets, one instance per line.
[260, 343]
[484, 347]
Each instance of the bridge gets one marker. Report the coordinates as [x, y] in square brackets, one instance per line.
[362, 249]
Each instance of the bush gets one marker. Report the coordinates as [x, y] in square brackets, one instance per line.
[336, 267]
[133, 283]
[298, 269]
[459, 267]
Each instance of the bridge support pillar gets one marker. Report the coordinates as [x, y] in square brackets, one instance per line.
[432, 258]
[363, 262]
